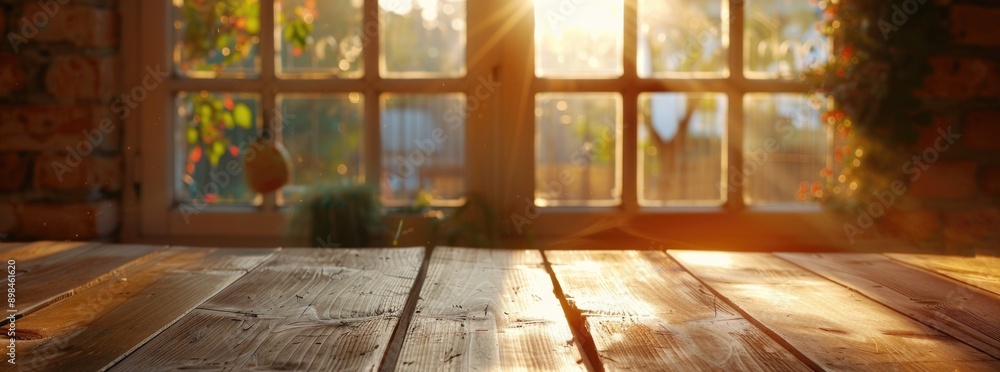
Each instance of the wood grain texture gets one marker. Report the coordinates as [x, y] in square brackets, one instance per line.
[55, 271]
[981, 271]
[482, 309]
[101, 324]
[37, 251]
[306, 309]
[6, 247]
[835, 327]
[957, 309]
[646, 312]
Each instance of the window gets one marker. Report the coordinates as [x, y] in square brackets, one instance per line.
[583, 108]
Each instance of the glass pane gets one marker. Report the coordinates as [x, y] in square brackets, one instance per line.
[577, 160]
[579, 38]
[213, 129]
[784, 145]
[682, 38]
[323, 135]
[319, 37]
[781, 38]
[422, 38]
[682, 138]
[423, 149]
[216, 38]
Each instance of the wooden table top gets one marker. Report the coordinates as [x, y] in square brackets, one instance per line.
[88, 306]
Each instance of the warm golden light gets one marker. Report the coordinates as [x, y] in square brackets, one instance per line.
[713, 259]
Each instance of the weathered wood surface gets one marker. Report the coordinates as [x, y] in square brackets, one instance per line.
[97, 326]
[833, 326]
[960, 310]
[645, 312]
[483, 309]
[980, 270]
[6, 247]
[22, 253]
[50, 272]
[306, 309]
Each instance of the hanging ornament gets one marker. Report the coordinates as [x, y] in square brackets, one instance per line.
[267, 165]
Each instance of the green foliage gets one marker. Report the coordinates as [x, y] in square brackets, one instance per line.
[338, 216]
[878, 66]
[873, 75]
[474, 224]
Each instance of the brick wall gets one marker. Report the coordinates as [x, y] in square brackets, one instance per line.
[955, 204]
[60, 165]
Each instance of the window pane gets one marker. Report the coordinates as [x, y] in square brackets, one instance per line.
[681, 142]
[323, 135]
[579, 38]
[319, 37]
[781, 38]
[216, 38]
[577, 158]
[422, 38]
[784, 144]
[213, 129]
[423, 148]
[680, 37]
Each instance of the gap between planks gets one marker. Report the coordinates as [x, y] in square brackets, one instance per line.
[750, 318]
[392, 352]
[577, 323]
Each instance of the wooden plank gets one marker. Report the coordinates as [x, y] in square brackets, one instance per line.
[38, 251]
[55, 272]
[307, 309]
[959, 310]
[835, 327]
[8, 246]
[490, 310]
[101, 324]
[646, 312]
[981, 270]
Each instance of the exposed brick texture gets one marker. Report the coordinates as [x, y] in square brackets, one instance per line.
[990, 181]
[981, 130]
[12, 76]
[8, 217]
[81, 78]
[81, 25]
[13, 171]
[53, 127]
[61, 167]
[67, 172]
[962, 78]
[973, 25]
[75, 221]
[946, 180]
